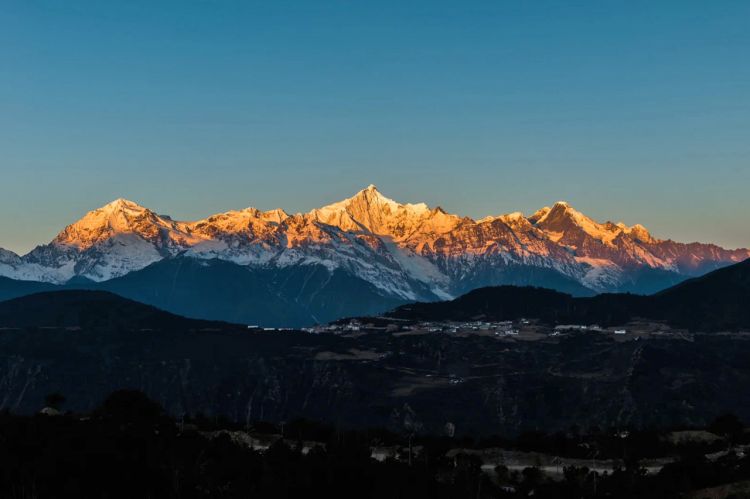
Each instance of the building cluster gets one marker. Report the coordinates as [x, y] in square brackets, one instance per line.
[388, 325]
[352, 326]
[499, 328]
[577, 327]
[561, 328]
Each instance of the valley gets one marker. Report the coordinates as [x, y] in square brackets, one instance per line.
[399, 375]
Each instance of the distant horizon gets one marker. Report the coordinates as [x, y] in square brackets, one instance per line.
[636, 110]
[161, 212]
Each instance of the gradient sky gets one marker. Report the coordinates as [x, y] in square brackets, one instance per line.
[630, 110]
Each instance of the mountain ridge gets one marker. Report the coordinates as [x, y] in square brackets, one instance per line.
[68, 308]
[407, 251]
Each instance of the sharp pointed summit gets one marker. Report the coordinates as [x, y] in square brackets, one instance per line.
[369, 210]
[568, 226]
[121, 216]
[122, 203]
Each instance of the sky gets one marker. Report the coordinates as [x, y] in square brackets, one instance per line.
[634, 111]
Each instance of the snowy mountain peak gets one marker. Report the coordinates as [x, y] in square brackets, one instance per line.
[121, 216]
[373, 195]
[558, 214]
[516, 215]
[566, 225]
[369, 210]
[121, 205]
[565, 207]
[7, 256]
[539, 214]
[513, 217]
[640, 233]
[276, 215]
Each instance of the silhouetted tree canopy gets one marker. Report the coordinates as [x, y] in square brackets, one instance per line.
[130, 406]
[55, 400]
[128, 448]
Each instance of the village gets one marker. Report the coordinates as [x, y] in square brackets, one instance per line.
[521, 329]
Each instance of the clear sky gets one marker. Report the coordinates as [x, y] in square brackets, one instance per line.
[630, 110]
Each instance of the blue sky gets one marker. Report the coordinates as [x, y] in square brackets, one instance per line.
[631, 110]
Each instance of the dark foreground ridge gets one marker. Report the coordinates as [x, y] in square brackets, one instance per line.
[715, 302]
[92, 309]
[128, 447]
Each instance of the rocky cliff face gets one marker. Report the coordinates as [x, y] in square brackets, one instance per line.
[407, 251]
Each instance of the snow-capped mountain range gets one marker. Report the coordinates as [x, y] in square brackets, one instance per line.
[406, 251]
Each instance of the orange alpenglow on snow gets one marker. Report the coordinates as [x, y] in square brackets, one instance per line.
[402, 249]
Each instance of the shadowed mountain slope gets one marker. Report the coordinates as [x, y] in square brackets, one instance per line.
[221, 290]
[12, 288]
[717, 301]
[91, 309]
